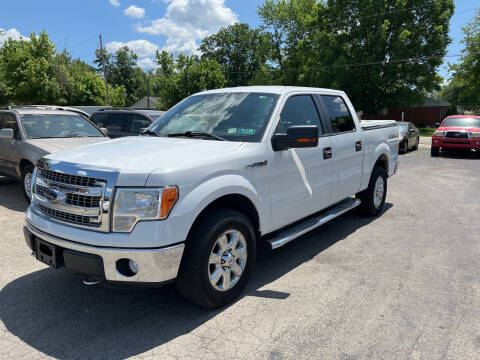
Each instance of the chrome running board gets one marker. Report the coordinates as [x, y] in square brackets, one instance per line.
[294, 231]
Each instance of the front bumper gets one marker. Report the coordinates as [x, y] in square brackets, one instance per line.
[154, 265]
[451, 143]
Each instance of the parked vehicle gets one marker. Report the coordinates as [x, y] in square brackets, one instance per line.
[29, 132]
[221, 173]
[457, 132]
[125, 122]
[409, 136]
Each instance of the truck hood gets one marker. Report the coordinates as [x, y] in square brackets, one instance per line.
[136, 157]
[53, 145]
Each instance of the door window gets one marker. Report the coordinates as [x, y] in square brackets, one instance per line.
[8, 121]
[338, 114]
[138, 123]
[100, 119]
[299, 110]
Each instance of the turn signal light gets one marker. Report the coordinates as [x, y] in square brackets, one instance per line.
[169, 197]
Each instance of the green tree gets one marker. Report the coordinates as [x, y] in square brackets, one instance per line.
[382, 53]
[28, 71]
[117, 96]
[178, 78]
[122, 70]
[240, 50]
[464, 85]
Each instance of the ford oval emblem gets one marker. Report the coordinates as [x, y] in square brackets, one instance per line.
[53, 195]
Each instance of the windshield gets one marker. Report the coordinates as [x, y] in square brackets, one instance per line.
[402, 127]
[232, 116]
[462, 122]
[40, 126]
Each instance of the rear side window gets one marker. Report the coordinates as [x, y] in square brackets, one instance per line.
[139, 122]
[338, 114]
[119, 122]
[8, 121]
[299, 110]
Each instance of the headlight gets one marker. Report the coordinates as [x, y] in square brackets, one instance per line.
[475, 135]
[439, 133]
[134, 205]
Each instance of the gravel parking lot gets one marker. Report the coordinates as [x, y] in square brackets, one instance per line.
[404, 285]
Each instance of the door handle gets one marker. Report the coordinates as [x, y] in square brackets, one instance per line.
[358, 146]
[327, 153]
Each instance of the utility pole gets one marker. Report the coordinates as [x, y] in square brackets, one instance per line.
[102, 52]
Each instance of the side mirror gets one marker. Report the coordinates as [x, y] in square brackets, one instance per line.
[105, 131]
[142, 130]
[6, 134]
[296, 137]
[437, 125]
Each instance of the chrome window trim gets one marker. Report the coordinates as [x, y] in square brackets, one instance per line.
[102, 213]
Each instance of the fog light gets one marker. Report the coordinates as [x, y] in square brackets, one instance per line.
[133, 266]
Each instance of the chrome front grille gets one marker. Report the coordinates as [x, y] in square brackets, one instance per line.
[67, 178]
[67, 217]
[72, 196]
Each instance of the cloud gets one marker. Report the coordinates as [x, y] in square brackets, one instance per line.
[147, 63]
[114, 2]
[134, 12]
[12, 33]
[142, 48]
[188, 21]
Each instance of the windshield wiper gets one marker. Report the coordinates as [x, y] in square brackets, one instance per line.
[196, 133]
[149, 132]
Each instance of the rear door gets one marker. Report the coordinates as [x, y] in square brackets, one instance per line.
[300, 178]
[347, 147]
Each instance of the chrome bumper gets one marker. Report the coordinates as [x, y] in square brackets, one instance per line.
[154, 265]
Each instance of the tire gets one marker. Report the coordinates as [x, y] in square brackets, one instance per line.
[203, 245]
[406, 147]
[435, 151]
[372, 199]
[27, 172]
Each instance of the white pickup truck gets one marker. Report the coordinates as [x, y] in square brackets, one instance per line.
[194, 197]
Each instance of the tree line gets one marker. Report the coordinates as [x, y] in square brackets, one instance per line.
[381, 53]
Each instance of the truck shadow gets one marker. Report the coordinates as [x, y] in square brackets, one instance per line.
[54, 313]
[11, 195]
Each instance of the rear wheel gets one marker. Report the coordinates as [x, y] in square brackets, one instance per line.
[218, 259]
[27, 172]
[373, 198]
[435, 151]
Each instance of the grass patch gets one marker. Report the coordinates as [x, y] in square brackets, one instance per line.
[427, 131]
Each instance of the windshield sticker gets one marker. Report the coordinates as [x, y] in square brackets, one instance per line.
[232, 130]
[246, 131]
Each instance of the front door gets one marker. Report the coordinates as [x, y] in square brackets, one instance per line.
[300, 178]
[8, 157]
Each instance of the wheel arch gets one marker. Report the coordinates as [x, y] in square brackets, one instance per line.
[234, 201]
[22, 164]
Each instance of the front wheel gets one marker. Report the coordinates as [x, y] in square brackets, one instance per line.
[27, 172]
[219, 257]
[373, 198]
[435, 151]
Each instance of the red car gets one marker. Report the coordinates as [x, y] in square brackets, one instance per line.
[457, 132]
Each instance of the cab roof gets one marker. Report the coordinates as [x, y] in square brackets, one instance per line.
[280, 90]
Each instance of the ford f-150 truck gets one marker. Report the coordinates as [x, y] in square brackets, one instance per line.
[219, 175]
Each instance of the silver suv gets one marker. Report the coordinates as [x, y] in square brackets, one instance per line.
[29, 132]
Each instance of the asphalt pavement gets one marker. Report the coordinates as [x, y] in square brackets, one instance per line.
[404, 285]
